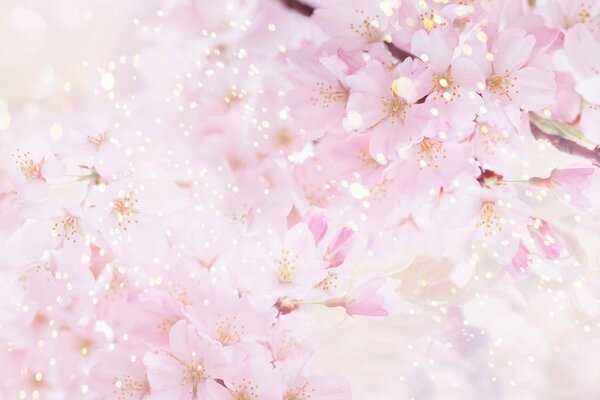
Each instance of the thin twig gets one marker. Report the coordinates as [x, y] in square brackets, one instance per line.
[299, 6]
[398, 52]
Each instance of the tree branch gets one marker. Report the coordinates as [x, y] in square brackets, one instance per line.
[398, 52]
[567, 146]
[298, 6]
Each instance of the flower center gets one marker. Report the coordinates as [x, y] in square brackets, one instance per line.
[429, 153]
[501, 85]
[98, 140]
[126, 207]
[328, 95]
[296, 393]
[165, 325]
[227, 330]
[286, 266]
[368, 28]
[431, 20]
[245, 390]
[395, 108]
[491, 139]
[29, 168]
[330, 282]
[445, 87]
[130, 387]
[490, 220]
[66, 228]
[194, 374]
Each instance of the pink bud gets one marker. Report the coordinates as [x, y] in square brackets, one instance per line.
[317, 223]
[546, 239]
[339, 248]
[519, 265]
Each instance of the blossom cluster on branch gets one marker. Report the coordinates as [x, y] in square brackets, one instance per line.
[194, 197]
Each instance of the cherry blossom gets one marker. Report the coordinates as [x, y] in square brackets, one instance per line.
[299, 199]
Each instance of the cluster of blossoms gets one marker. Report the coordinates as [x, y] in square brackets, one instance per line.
[192, 201]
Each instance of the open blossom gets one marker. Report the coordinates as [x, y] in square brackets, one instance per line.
[254, 378]
[32, 165]
[353, 23]
[227, 318]
[188, 368]
[382, 103]
[509, 77]
[577, 58]
[368, 298]
[322, 387]
[321, 93]
[116, 374]
[207, 202]
[292, 266]
[569, 185]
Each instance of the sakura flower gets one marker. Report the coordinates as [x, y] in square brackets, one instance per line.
[116, 374]
[192, 207]
[254, 378]
[320, 85]
[338, 249]
[32, 166]
[291, 264]
[382, 103]
[452, 76]
[428, 167]
[157, 314]
[189, 367]
[291, 337]
[353, 24]
[547, 240]
[126, 213]
[223, 316]
[317, 224]
[520, 261]
[509, 78]
[577, 58]
[365, 298]
[568, 14]
[414, 19]
[569, 185]
[498, 138]
[486, 217]
[327, 387]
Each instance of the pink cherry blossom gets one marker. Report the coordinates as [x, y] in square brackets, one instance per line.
[547, 240]
[299, 199]
[509, 78]
[569, 185]
[188, 368]
[387, 115]
[520, 262]
[365, 298]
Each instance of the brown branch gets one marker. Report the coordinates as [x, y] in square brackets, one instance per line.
[398, 52]
[307, 11]
[567, 146]
[298, 6]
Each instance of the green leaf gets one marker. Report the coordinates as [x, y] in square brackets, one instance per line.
[557, 128]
